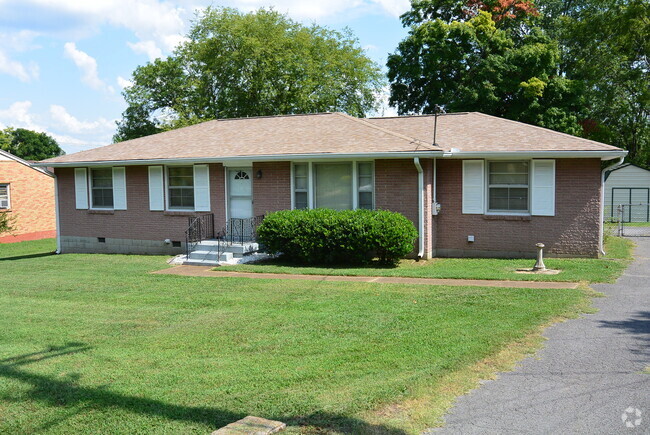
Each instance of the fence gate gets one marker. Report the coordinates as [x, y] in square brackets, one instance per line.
[634, 220]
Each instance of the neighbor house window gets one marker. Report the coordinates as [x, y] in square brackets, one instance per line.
[508, 186]
[301, 185]
[4, 197]
[365, 185]
[180, 182]
[101, 184]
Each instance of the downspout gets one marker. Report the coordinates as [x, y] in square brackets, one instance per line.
[56, 214]
[601, 236]
[418, 166]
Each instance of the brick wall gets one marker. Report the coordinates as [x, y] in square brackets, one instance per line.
[137, 222]
[272, 192]
[573, 231]
[32, 201]
[396, 188]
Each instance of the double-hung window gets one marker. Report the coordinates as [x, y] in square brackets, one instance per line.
[101, 184]
[5, 203]
[508, 187]
[180, 184]
[335, 185]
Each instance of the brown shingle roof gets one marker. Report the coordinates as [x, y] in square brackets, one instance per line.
[477, 132]
[336, 133]
[329, 133]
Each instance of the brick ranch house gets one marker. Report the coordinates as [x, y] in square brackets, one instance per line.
[26, 193]
[486, 187]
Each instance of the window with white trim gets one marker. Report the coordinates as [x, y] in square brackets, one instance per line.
[301, 185]
[180, 187]
[335, 185]
[5, 202]
[365, 185]
[508, 186]
[101, 185]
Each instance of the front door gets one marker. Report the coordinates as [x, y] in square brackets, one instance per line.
[240, 193]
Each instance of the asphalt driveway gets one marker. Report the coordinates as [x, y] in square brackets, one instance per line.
[588, 378]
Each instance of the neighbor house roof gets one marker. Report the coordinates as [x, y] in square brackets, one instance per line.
[336, 134]
[9, 156]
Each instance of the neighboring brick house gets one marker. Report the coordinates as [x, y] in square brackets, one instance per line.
[487, 187]
[27, 194]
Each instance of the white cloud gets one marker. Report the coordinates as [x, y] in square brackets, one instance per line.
[71, 124]
[124, 83]
[72, 134]
[18, 115]
[314, 10]
[146, 47]
[24, 73]
[88, 66]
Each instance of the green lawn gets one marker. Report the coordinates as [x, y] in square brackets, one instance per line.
[95, 344]
[574, 270]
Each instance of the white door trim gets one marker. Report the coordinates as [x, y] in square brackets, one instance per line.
[227, 171]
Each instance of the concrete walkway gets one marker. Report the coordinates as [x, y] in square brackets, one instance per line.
[208, 272]
[588, 378]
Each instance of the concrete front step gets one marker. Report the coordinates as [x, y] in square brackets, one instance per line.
[206, 255]
[237, 249]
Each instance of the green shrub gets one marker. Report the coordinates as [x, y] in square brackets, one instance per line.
[325, 236]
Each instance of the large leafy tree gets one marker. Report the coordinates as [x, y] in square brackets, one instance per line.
[238, 64]
[586, 65]
[606, 46]
[487, 57]
[28, 144]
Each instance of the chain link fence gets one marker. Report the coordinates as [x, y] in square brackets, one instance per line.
[633, 220]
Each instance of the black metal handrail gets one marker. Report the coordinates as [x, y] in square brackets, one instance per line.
[241, 230]
[199, 228]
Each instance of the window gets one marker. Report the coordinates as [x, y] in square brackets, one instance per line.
[334, 185]
[301, 185]
[508, 186]
[4, 197]
[365, 185]
[101, 184]
[180, 182]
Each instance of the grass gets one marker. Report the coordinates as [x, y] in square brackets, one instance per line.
[572, 269]
[96, 344]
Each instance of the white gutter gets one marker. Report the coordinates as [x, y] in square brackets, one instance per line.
[254, 158]
[56, 214]
[603, 155]
[602, 203]
[416, 161]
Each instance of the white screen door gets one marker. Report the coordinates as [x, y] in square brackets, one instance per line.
[240, 193]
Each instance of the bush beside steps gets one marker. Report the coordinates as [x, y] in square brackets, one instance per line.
[331, 237]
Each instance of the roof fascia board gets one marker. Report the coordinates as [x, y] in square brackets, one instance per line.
[233, 160]
[603, 155]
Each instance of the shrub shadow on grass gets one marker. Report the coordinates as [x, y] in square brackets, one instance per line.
[57, 392]
[284, 262]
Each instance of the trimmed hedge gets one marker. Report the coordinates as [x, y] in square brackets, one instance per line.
[324, 236]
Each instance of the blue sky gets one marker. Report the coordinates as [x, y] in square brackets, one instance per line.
[64, 63]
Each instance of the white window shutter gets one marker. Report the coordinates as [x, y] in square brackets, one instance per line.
[119, 188]
[156, 189]
[543, 188]
[201, 188]
[473, 186]
[81, 188]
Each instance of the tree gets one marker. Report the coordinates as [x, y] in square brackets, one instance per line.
[505, 67]
[28, 144]
[7, 222]
[238, 65]
[606, 46]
